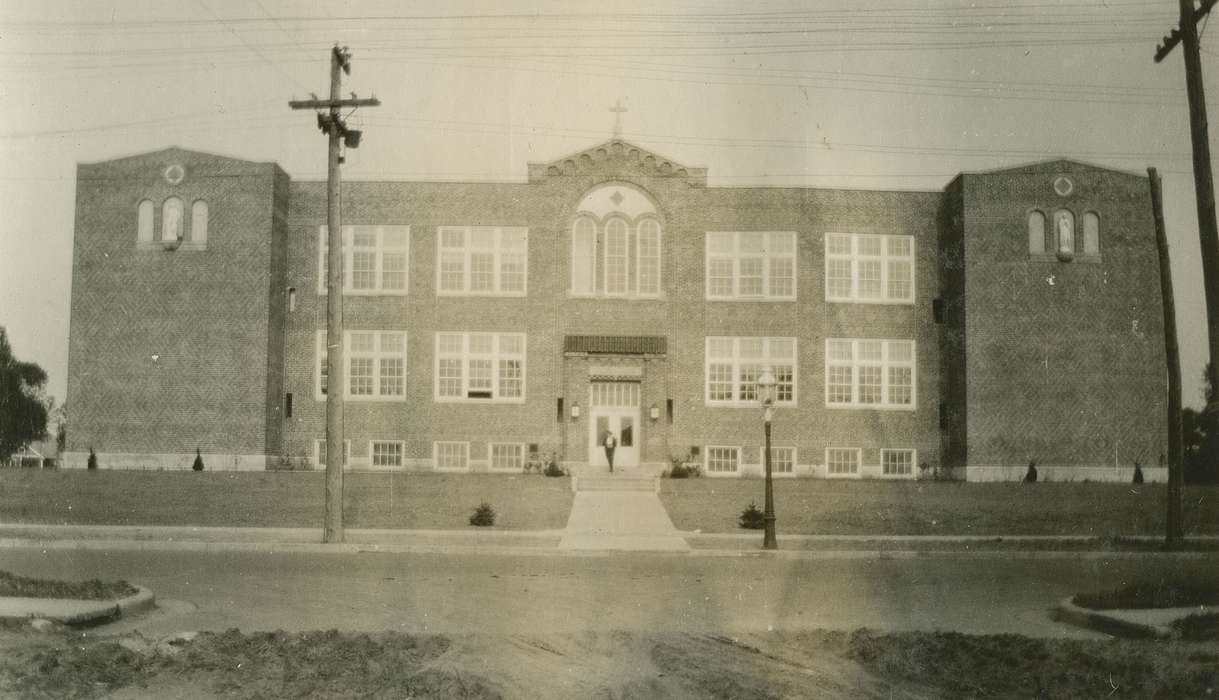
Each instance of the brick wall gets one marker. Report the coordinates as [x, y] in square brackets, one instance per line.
[1065, 360]
[687, 209]
[168, 349]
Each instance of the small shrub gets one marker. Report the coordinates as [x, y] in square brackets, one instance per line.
[553, 469]
[92, 459]
[752, 518]
[484, 515]
[1138, 473]
[682, 467]
[1030, 476]
[937, 473]
[198, 465]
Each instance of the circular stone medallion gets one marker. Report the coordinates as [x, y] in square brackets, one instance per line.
[1063, 186]
[174, 174]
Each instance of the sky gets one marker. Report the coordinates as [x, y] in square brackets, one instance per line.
[883, 94]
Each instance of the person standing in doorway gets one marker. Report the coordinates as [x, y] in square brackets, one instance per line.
[610, 443]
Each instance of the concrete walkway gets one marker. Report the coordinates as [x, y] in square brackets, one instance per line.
[621, 520]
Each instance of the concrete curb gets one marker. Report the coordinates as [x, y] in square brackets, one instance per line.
[554, 551]
[1098, 621]
[76, 612]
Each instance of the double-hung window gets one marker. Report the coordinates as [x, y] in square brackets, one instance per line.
[482, 260]
[507, 456]
[387, 453]
[723, 460]
[451, 456]
[374, 362]
[897, 462]
[374, 259]
[733, 366]
[842, 461]
[869, 269]
[751, 265]
[867, 373]
[480, 366]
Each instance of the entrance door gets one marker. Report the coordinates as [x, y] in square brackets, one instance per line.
[614, 408]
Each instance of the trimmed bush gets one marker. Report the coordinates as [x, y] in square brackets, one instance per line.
[92, 459]
[1138, 473]
[752, 518]
[553, 469]
[484, 515]
[682, 468]
[1030, 476]
[198, 465]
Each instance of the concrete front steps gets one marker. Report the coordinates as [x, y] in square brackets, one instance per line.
[615, 482]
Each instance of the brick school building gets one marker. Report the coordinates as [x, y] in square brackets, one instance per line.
[1014, 315]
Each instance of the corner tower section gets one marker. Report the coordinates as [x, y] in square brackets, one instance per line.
[176, 340]
[1064, 360]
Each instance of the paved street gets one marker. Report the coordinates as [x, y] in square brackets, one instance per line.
[477, 593]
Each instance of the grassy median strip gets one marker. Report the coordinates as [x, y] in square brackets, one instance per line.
[279, 499]
[14, 586]
[827, 507]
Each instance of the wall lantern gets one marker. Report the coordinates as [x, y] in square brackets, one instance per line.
[575, 411]
[654, 412]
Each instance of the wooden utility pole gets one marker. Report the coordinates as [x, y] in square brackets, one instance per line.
[332, 124]
[1204, 184]
[1175, 535]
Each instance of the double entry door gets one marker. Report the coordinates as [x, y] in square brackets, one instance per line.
[614, 409]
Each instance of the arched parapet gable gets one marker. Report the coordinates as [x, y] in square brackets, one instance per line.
[617, 158]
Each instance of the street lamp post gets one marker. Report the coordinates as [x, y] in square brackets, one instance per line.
[766, 394]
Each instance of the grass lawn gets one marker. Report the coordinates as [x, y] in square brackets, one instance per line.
[1162, 591]
[13, 586]
[279, 499]
[807, 506]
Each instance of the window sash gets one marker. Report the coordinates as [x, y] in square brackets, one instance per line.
[319, 452]
[897, 462]
[782, 460]
[372, 372]
[374, 263]
[482, 260]
[870, 373]
[472, 366]
[387, 453]
[733, 364]
[869, 268]
[842, 461]
[736, 270]
[722, 460]
[451, 456]
[507, 456]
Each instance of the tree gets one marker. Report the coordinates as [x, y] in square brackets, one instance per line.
[23, 410]
[1200, 439]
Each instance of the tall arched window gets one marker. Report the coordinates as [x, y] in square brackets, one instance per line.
[1091, 233]
[144, 221]
[616, 256]
[649, 257]
[1037, 233]
[171, 220]
[583, 256]
[198, 222]
[616, 244]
